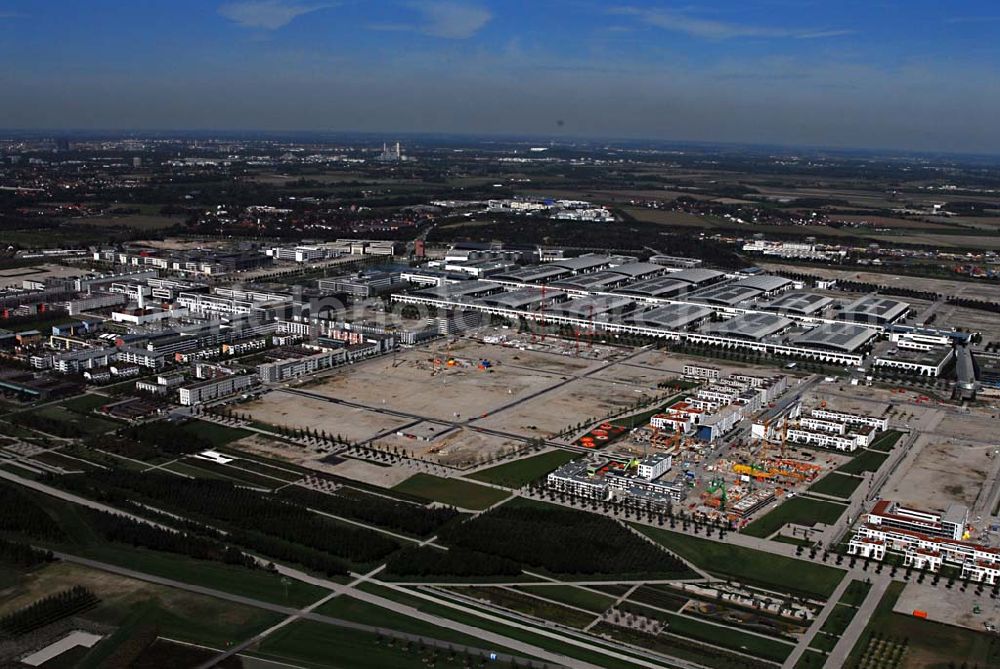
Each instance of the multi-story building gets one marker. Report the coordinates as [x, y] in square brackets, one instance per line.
[214, 388]
[927, 540]
[850, 418]
[702, 372]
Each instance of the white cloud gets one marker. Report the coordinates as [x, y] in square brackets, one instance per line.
[684, 22]
[267, 14]
[443, 18]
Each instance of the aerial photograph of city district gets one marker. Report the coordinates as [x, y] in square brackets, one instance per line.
[454, 334]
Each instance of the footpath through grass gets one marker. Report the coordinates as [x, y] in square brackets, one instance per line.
[455, 492]
[775, 572]
[522, 472]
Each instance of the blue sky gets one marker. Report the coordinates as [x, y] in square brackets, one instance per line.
[912, 74]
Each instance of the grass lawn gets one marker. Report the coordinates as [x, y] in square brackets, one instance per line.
[801, 510]
[811, 659]
[838, 620]
[572, 595]
[522, 472]
[855, 593]
[218, 435]
[795, 541]
[824, 642]
[887, 440]
[868, 461]
[86, 403]
[751, 566]
[86, 424]
[451, 491]
[836, 485]
[936, 644]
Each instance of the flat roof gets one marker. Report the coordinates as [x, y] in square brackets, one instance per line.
[533, 274]
[522, 297]
[874, 308]
[584, 307]
[639, 270]
[728, 295]
[671, 316]
[803, 304]
[754, 326]
[594, 281]
[765, 282]
[697, 275]
[460, 289]
[843, 337]
[659, 285]
[584, 262]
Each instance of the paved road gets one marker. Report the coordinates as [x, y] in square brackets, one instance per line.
[838, 656]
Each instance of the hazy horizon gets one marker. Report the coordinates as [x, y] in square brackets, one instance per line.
[906, 76]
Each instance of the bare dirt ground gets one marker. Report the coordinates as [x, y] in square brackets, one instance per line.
[284, 409]
[14, 276]
[945, 471]
[579, 400]
[460, 447]
[358, 470]
[955, 609]
[463, 391]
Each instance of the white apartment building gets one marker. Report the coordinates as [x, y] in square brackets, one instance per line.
[702, 372]
[211, 389]
[850, 418]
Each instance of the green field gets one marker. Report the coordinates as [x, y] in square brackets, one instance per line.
[838, 620]
[218, 435]
[572, 595]
[811, 659]
[754, 567]
[522, 472]
[455, 492]
[86, 403]
[836, 485]
[824, 642]
[87, 425]
[887, 440]
[855, 593]
[800, 510]
[868, 461]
